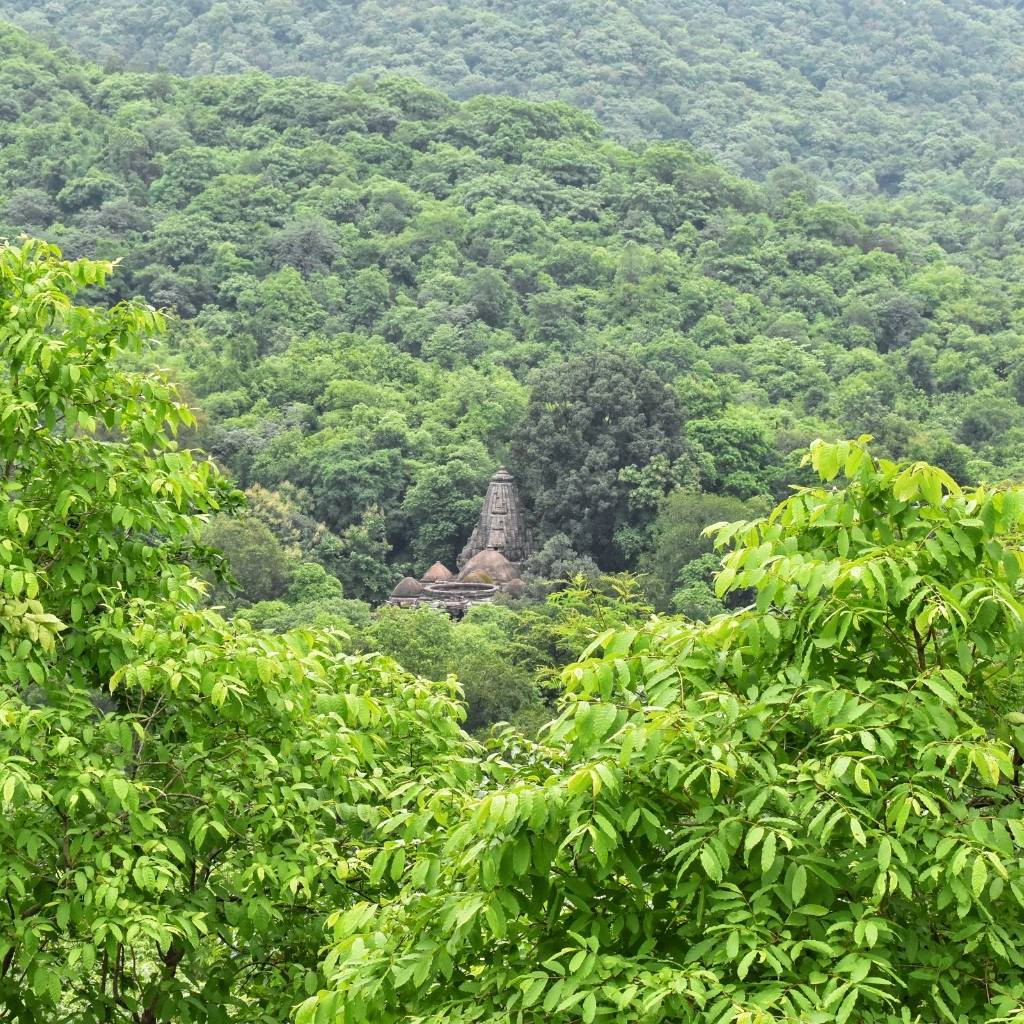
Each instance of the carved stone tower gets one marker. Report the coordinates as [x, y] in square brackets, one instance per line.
[502, 524]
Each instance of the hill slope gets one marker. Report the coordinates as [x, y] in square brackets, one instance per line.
[920, 100]
[368, 276]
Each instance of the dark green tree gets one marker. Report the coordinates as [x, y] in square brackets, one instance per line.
[587, 420]
[255, 559]
[362, 563]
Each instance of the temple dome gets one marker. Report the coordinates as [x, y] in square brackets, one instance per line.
[492, 564]
[408, 588]
[438, 572]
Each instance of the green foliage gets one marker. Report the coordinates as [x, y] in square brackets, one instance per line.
[809, 809]
[363, 553]
[555, 564]
[184, 800]
[257, 561]
[694, 593]
[479, 650]
[314, 598]
[741, 453]
[496, 687]
[679, 538]
[506, 656]
[811, 102]
[591, 607]
[340, 615]
[420, 638]
[302, 537]
[366, 276]
[589, 419]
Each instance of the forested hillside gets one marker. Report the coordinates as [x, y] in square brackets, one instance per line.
[739, 740]
[918, 100]
[735, 821]
[384, 292]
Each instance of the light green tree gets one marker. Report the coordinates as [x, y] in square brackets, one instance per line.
[183, 799]
[807, 810]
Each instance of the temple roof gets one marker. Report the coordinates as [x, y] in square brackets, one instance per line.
[437, 572]
[492, 564]
[502, 524]
[477, 578]
[408, 587]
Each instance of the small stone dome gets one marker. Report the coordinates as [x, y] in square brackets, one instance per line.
[438, 572]
[515, 588]
[492, 564]
[407, 588]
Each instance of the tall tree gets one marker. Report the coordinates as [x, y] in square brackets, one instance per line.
[184, 800]
[587, 420]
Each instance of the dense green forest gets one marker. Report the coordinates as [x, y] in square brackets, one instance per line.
[731, 822]
[919, 100]
[382, 293]
[734, 290]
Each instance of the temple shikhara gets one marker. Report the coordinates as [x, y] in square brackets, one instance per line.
[489, 564]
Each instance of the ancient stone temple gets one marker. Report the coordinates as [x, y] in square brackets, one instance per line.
[490, 564]
[502, 524]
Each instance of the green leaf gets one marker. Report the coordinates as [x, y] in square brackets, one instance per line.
[979, 876]
[754, 836]
[534, 990]
[939, 689]
[744, 965]
[799, 885]
[857, 831]
[884, 854]
[589, 1008]
[379, 866]
[846, 1006]
[711, 865]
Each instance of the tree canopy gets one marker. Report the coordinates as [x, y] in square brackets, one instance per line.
[910, 100]
[807, 809]
[371, 285]
[589, 419]
[765, 771]
[184, 799]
